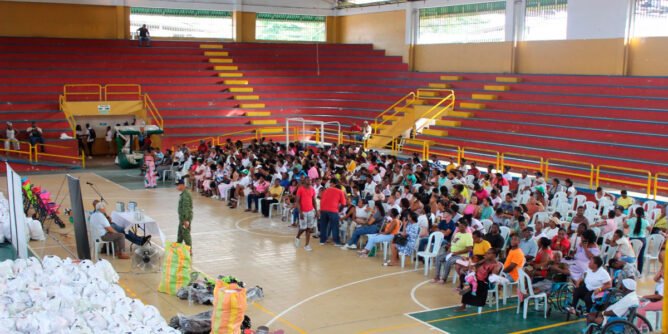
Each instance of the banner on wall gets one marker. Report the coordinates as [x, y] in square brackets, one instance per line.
[16, 214]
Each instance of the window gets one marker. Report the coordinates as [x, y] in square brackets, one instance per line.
[182, 23]
[474, 23]
[650, 18]
[284, 27]
[545, 20]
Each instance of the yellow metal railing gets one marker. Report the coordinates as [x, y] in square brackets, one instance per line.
[95, 92]
[7, 146]
[457, 155]
[570, 165]
[423, 147]
[515, 156]
[480, 157]
[408, 100]
[645, 173]
[153, 111]
[48, 148]
[657, 187]
[446, 103]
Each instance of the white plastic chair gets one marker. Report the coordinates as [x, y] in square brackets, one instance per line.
[539, 216]
[654, 214]
[433, 246]
[592, 215]
[277, 205]
[589, 205]
[605, 202]
[579, 201]
[97, 242]
[632, 209]
[487, 224]
[654, 243]
[649, 206]
[524, 197]
[597, 231]
[413, 254]
[493, 289]
[508, 287]
[526, 289]
[505, 233]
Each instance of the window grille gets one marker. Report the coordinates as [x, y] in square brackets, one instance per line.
[182, 23]
[286, 27]
[545, 20]
[650, 18]
[473, 23]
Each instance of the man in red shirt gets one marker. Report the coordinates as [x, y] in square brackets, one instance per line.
[330, 200]
[307, 212]
[355, 132]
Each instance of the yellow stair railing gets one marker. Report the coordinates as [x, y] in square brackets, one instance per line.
[446, 103]
[408, 100]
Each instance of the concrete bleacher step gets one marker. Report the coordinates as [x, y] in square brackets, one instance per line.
[272, 130]
[236, 82]
[230, 75]
[220, 60]
[257, 113]
[460, 114]
[508, 79]
[451, 77]
[419, 102]
[216, 53]
[487, 97]
[381, 126]
[391, 117]
[435, 132]
[241, 89]
[497, 88]
[211, 46]
[247, 97]
[447, 122]
[471, 105]
[263, 122]
[428, 94]
[252, 105]
[439, 85]
[410, 141]
[226, 68]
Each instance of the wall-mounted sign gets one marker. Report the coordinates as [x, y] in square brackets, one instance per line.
[103, 109]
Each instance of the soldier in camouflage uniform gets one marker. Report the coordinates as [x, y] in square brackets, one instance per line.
[185, 211]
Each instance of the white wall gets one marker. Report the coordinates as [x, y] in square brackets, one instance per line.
[594, 19]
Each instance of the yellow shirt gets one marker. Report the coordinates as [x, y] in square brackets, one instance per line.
[625, 202]
[481, 248]
[450, 167]
[351, 166]
[661, 223]
[276, 191]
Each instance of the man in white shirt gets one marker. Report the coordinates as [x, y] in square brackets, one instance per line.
[528, 245]
[621, 307]
[101, 229]
[623, 245]
[367, 131]
[524, 182]
[507, 175]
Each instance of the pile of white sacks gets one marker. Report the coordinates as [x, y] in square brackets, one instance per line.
[62, 296]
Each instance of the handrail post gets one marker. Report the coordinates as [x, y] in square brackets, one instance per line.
[656, 184]
[598, 175]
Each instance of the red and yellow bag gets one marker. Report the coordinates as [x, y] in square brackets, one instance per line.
[229, 307]
[175, 268]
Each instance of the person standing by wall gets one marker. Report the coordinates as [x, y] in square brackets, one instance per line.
[109, 139]
[90, 140]
[185, 211]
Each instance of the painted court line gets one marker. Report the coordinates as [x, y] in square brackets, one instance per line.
[332, 290]
[415, 300]
[531, 330]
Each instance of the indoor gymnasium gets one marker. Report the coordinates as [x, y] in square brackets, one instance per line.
[333, 166]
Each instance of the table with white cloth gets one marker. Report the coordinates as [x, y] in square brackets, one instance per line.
[127, 220]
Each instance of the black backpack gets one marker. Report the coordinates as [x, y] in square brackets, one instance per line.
[92, 134]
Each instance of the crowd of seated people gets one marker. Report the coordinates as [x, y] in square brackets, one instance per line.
[493, 227]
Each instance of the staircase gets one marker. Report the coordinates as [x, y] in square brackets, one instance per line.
[413, 113]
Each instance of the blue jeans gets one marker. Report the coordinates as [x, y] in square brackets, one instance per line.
[35, 140]
[133, 238]
[329, 223]
[360, 231]
[145, 39]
